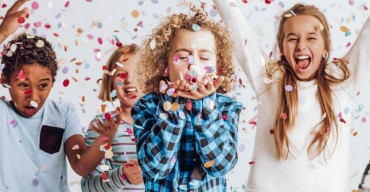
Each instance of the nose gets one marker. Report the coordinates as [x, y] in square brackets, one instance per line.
[34, 95]
[130, 78]
[301, 45]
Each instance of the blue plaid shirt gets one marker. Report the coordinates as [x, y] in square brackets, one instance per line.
[186, 150]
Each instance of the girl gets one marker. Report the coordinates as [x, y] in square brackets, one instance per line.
[121, 172]
[306, 95]
[37, 133]
[187, 133]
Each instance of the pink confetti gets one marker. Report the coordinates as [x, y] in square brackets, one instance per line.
[28, 92]
[66, 4]
[100, 40]
[351, 2]
[21, 20]
[348, 44]
[35, 5]
[21, 76]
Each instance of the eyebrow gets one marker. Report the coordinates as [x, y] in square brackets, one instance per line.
[311, 33]
[187, 50]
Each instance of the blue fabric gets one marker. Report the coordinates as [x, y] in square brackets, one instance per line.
[170, 148]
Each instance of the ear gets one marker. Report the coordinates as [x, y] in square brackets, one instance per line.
[165, 72]
[281, 51]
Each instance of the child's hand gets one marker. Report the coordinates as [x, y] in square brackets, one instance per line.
[109, 128]
[13, 19]
[179, 85]
[133, 172]
[202, 90]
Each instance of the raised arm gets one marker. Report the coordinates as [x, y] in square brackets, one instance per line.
[359, 55]
[11, 22]
[247, 50]
[158, 136]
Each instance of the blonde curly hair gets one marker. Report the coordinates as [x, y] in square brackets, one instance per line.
[154, 61]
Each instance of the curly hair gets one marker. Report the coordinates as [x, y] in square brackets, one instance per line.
[29, 49]
[154, 61]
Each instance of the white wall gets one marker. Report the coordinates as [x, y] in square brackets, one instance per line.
[112, 19]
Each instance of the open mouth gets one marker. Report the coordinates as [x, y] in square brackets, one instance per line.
[303, 62]
[131, 92]
[29, 110]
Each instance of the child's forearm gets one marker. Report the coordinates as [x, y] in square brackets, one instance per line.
[217, 140]
[247, 49]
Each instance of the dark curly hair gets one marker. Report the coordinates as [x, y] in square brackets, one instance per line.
[30, 49]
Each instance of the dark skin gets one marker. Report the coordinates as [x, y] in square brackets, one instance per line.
[84, 159]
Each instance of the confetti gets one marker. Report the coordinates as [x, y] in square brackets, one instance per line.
[78, 156]
[135, 13]
[21, 20]
[113, 93]
[283, 116]
[34, 104]
[182, 115]
[28, 92]
[35, 182]
[170, 91]
[108, 154]
[104, 167]
[40, 43]
[152, 44]
[175, 106]
[209, 164]
[75, 147]
[66, 83]
[195, 27]
[188, 105]
[288, 88]
[119, 64]
[167, 106]
[21, 76]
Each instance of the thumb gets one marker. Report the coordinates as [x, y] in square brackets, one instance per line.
[218, 81]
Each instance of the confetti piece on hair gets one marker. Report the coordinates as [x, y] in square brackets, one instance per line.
[209, 164]
[163, 87]
[7, 86]
[195, 27]
[75, 147]
[28, 92]
[167, 106]
[34, 104]
[104, 167]
[35, 182]
[119, 64]
[21, 76]
[40, 43]
[293, 12]
[152, 44]
[288, 88]
[283, 116]
[113, 93]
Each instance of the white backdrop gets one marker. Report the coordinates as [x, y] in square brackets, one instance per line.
[84, 33]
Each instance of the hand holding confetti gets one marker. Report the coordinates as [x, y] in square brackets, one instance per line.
[202, 89]
[106, 126]
[13, 19]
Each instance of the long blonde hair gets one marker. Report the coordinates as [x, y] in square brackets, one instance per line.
[154, 61]
[107, 85]
[289, 103]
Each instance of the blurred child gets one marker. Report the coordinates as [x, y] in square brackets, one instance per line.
[121, 171]
[186, 128]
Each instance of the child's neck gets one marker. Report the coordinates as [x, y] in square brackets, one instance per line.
[126, 114]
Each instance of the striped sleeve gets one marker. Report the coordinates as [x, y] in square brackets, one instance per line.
[216, 134]
[94, 182]
[158, 139]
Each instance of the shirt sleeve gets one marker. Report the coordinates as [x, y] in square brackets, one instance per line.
[158, 133]
[94, 182]
[216, 134]
[72, 120]
[359, 56]
[247, 50]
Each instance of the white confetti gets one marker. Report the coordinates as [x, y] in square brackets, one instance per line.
[34, 104]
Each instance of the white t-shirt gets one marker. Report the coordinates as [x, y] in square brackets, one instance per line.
[32, 156]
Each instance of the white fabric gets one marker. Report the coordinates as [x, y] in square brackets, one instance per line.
[298, 172]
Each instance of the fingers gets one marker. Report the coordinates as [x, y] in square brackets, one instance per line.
[218, 81]
[22, 13]
[16, 6]
[162, 86]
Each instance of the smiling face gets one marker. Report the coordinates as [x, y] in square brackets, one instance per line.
[190, 52]
[125, 81]
[30, 90]
[303, 45]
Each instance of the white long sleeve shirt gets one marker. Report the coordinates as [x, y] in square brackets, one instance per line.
[298, 172]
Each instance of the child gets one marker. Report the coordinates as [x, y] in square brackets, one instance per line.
[121, 172]
[37, 133]
[306, 146]
[187, 133]
[365, 182]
